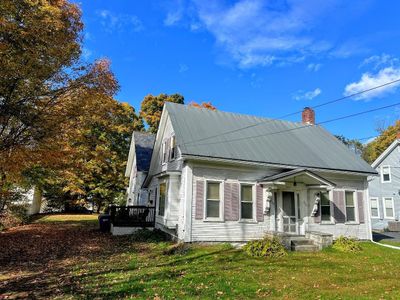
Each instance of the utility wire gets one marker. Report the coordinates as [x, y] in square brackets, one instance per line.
[300, 127]
[294, 113]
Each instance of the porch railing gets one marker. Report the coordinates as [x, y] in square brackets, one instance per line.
[132, 216]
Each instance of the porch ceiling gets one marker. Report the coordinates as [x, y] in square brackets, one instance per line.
[304, 176]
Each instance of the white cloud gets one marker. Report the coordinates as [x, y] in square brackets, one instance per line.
[314, 67]
[369, 80]
[119, 22]
[260, 33]
[301, 95]
[379, 61]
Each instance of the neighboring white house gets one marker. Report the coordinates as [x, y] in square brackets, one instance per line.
[218, 176]
[384, 190]
[138, 166]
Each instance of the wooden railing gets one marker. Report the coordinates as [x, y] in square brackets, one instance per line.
[132, 216]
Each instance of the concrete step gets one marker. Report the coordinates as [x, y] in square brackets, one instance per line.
[303, 244]
[299, 242]
[305, 248]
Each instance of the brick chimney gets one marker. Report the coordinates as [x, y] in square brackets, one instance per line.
[308, 116]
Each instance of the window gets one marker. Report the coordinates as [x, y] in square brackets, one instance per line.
[374, 207]
[246, 201]
[161, 199]
[213, 200]
[164, 152]
[385, 174]
[350, 207]
[388, 207]
[325, 207]
[173, 148]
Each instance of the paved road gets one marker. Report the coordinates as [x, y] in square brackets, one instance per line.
[386, 236]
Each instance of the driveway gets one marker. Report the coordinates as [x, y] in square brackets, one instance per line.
[386, 236]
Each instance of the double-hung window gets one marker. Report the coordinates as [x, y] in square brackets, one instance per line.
[325, 207]
[213, 199]
[350, 207]
[388, 207]
[385, 174]
[161, 199]
[164, 152]
[374, 207]
[246, 201]
[173, 148]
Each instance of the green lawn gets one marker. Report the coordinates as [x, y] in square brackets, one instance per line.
[66, 257]
[67, 218]
[389, 242]
[220, 271]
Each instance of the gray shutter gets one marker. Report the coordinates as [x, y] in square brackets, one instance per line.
[199, 213]
[228, 201]
[360, 200]
[235, 190]
[339, 207]
[259, 203]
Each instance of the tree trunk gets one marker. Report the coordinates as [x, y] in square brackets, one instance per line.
[37, 200]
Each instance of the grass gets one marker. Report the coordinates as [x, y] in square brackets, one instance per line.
[222, 272]
[389, 242]
[119, 267]
[67, 218]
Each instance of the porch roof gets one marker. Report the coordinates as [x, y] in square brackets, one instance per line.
[300, 174]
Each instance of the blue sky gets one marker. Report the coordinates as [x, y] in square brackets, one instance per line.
[259, 57]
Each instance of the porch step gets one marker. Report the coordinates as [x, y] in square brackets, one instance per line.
[303, 245]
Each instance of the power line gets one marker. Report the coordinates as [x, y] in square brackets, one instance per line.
[295, 113]
[304, 126]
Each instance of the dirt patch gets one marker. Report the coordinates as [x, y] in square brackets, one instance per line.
[36, 260]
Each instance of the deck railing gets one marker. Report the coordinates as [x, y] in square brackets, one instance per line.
[132, 216]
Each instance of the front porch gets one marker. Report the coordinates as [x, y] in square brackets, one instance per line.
[293, 201]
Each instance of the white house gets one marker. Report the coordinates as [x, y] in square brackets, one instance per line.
[137, 167]
[385, 189]
[218, 176]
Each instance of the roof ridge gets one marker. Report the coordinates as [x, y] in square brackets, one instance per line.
[185, 106]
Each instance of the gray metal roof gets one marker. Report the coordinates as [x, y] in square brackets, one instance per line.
[272, 141]
[144, 143]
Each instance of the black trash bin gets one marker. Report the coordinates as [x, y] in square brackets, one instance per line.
[105, 222]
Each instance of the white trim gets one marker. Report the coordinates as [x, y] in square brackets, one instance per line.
[221, 200]
[254, 199]
[384, 208]
[377, 204]
[172, 137]
[331, 208]
[390, 173]
[355, 201]
[385, 153]
[272, 165]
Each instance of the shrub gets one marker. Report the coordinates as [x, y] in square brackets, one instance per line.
[346, 244]
[267, 247]
[177, 249]
[151, 236]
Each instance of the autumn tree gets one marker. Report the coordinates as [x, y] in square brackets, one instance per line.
[207, 105]
[376, 147]
[152, 106]
[100, 147]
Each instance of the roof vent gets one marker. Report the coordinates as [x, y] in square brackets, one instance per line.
[308, 116]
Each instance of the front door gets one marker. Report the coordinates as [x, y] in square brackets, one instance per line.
[289, 217]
